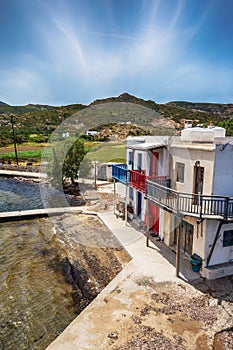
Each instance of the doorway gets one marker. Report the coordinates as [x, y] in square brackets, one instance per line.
[154, 166]
[154, 218]
[186, 237]
[198, 179]
[139, 205]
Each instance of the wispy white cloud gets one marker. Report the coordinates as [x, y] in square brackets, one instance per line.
[178, 12]
[78, 58]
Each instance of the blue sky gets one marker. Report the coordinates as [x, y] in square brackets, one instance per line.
[75, 51]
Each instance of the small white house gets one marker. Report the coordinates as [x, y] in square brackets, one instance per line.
[92, 133]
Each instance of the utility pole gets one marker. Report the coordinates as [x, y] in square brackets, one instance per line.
[95, 175]
[178, 252]
[13, 132]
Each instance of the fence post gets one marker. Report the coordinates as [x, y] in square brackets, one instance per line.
[200, 200]
[178, 202]
[148, 223]
[178, 253]
[114, 196]
[226, 206]
[126, 202]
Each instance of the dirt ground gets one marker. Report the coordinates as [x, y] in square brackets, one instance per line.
[171, 316]
[140, 314]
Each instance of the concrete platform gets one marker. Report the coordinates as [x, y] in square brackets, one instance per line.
[27, 174]
[148, 264]
[28, 214]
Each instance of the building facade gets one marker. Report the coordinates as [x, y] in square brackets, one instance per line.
[181, 186]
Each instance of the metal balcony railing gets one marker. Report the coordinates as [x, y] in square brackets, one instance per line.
[137, 179]
[120, 173]
[197, 205]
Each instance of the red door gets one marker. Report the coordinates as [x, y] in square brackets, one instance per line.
[154, 164]
[154, 218]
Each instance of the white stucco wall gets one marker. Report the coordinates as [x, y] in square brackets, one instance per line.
[223, 171]
[188, 156]
[220, 254]
[121, 190]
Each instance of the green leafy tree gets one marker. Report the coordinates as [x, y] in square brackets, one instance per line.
[66, 157]
[73, 160]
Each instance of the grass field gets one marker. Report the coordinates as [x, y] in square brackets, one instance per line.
[108, 152]
[101, 152]
[23, 154]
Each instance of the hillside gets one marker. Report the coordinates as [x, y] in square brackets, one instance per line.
[39, 121]
[212, 108]
[179, 110]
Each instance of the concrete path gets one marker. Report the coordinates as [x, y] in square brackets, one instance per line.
[88, 330]
[21, 214]
[148, 261]
[23, 174]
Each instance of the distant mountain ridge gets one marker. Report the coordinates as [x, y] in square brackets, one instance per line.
[172, 108]
[44, 119]
[183, 107]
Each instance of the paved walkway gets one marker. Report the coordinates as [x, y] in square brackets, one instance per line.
[28, 174]
[84, 333]
[20, 214]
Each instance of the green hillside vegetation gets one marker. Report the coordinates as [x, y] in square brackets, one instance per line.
[149, 116]
[37, 120]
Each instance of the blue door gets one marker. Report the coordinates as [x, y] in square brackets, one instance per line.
[139, 206]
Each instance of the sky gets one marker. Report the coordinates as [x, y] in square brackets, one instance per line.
[60, 52]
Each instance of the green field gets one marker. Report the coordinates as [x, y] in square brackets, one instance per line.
[101, 152]
[108, 152]
[26, 154]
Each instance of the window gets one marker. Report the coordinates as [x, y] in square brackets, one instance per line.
[180, 172]
[227, 238]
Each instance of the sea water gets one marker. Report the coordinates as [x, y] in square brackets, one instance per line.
[35, 301]
[50, 268]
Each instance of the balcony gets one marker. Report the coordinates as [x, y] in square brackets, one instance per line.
[195, 205]
[120, 173]
[137, 179]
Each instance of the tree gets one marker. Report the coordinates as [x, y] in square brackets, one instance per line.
[73, 160]
[66, 157]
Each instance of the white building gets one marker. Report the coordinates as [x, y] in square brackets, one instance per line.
[183, 184]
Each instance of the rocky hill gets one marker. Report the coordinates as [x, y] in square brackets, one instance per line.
[42, 120]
